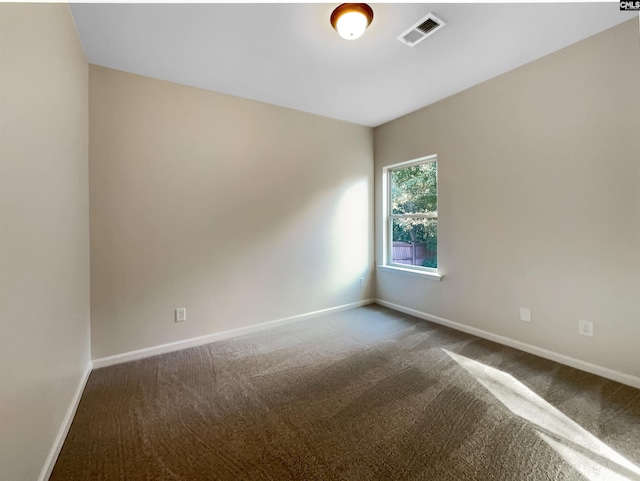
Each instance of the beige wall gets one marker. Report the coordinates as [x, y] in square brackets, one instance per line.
[242, 212]
[539, 177]
[44, 230]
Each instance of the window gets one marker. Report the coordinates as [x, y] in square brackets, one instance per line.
[412, 214]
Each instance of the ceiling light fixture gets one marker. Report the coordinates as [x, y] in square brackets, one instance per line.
[351, 19]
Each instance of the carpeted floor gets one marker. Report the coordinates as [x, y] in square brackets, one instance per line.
[365, 394]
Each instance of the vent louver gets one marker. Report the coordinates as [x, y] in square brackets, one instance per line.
[422, 29]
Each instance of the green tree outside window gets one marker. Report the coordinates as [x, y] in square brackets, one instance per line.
[413, 214]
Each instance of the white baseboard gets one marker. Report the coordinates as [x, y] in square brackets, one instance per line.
[64, 428]
[621, 377]
[217, 336]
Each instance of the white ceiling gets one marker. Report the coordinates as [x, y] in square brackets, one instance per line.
[289, 55]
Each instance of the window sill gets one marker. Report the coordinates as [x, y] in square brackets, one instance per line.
[430, 275]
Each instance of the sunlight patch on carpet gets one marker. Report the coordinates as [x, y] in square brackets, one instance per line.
[584, 451]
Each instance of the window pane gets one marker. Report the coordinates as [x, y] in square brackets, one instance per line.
[414, 190]
[415, 242]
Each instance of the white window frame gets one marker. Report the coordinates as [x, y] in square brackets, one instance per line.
[388, 264]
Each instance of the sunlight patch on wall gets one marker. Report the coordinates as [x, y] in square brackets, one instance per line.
[350, 236]
[584, 451]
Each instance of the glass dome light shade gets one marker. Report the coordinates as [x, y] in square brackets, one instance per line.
[351, 19]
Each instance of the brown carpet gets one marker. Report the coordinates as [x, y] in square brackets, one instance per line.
[365, 394]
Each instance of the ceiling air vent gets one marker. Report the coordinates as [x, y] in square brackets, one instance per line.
[422, 29]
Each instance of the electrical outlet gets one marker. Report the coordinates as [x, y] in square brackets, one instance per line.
[585, 328]
[181, 314]
[525, 314]
[362, 282]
